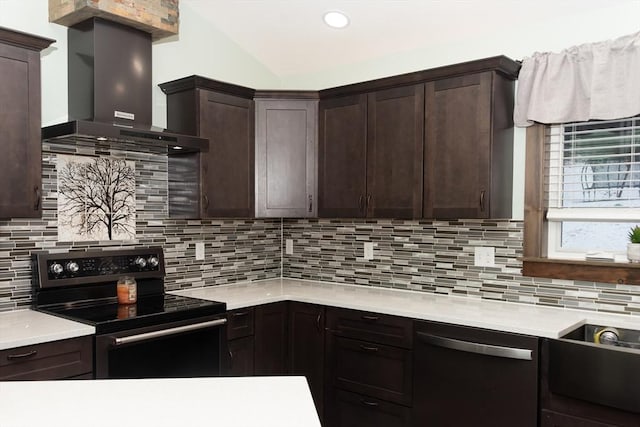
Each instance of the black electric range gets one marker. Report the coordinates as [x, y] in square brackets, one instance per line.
[81, 286]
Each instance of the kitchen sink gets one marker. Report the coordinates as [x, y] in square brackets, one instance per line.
[605, 335]
[598, 364]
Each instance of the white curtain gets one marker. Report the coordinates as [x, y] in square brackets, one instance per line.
[589, 81]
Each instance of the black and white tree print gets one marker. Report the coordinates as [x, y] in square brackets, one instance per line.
[96, 198]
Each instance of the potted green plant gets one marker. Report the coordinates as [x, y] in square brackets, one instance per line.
[633, 247]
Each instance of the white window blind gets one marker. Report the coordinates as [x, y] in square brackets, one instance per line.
[594, 165]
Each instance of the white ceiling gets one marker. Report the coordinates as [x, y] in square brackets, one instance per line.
[289, 36]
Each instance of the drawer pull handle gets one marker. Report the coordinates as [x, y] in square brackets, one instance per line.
[473, 347]
[370, 318]
[22, 355]
[240, 314]
[366, 348]
[318, 319]
[369, 403]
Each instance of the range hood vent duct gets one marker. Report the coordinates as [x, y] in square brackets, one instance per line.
[109, 89]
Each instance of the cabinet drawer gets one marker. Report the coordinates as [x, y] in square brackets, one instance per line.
[355, 410]
[554, 419]
[373, 327]
[48, 361]
[240, 323]
[372, 369]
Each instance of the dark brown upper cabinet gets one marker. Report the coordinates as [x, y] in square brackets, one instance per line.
[223, 113]
[20, 122]
[370, 154]
[468, 156]
[342, 157]
[286, 153]
[395, 128]
[436, 143]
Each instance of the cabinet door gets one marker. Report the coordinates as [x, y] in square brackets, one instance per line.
[468, 148]
[271, 339]
[395, 150]
[241, 358]
[342, 157]
[228, 167]
[306, 346]
[21, 159]
[286, 158]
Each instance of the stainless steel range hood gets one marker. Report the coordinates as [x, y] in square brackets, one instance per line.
[109, 88]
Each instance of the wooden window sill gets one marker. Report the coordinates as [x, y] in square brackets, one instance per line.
[593, 271]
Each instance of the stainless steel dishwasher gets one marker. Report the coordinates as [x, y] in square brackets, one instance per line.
[467, 376]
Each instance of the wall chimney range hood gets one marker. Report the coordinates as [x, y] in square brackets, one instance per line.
[109, 89]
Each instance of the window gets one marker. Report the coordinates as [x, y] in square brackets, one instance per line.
[592, 188]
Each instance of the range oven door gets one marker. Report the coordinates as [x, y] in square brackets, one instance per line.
[192, 348]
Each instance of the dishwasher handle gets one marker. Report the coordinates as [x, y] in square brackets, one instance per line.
[473, 347]
[166, 332]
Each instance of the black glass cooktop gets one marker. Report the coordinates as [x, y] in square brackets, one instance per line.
[150, 310]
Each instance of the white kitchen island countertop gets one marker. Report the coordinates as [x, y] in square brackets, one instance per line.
[184, 402]
[529, 319]
[25, 327]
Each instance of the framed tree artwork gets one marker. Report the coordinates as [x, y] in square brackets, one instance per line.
[96, 198]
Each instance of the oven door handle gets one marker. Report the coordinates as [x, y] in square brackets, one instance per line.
[166, 332]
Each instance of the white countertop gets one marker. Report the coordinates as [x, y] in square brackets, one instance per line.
[222, 401]
[25, 327]
[527, 319]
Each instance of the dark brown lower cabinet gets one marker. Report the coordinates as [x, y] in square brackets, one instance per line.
[357, 410]
[241, 357]
[474, 377]
[369, 379]
[271, 339]
[306, 347]
[65, 359]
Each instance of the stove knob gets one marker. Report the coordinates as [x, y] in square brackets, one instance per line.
[56, 268]
[140, 262]
[153, 261]
[72, 267]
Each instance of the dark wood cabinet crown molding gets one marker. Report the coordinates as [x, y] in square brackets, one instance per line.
[199, 82]
[501, 64]
[24, 40]
[286, 94]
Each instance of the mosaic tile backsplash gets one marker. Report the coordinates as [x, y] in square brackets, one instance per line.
[438, 257]
[235, 249]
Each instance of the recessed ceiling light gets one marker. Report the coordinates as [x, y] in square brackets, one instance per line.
[336, 19]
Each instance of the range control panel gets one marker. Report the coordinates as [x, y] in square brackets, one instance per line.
[72, 268]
